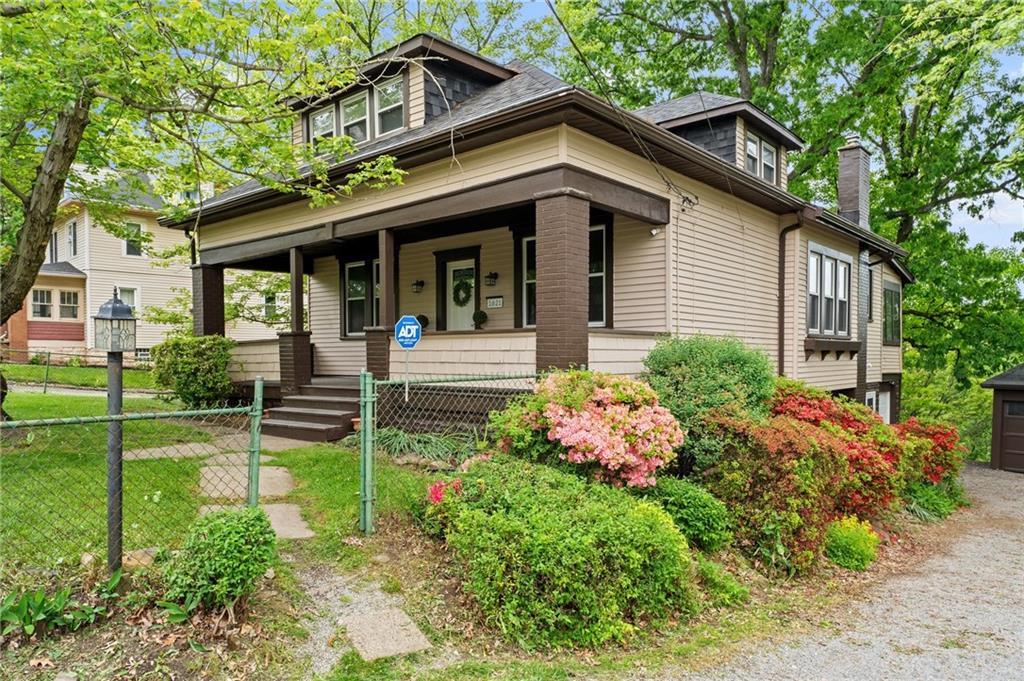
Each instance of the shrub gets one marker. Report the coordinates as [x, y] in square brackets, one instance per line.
[932, 503]
[194, 368]
[943, 458]
[37, 359]
[780, 478]
[224, 554]
[721, 587]
[74, 361]
[555, 561]
[851, 543]
[611, 427]
[703, 519]
[697, 376]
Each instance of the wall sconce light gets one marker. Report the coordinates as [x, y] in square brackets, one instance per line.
[491, 279]
[655, 231]
[417, 286]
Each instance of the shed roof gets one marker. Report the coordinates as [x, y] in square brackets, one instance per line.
[1009, 380]
[61, 269]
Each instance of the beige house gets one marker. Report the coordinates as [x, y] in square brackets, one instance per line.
[538, 227]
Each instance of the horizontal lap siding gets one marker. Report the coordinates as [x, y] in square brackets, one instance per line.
[60, 331]
[829, 373]
[332, 355]
[416, 262]
[255, 358]
[495, 162]
[417, 103]
[619, 354]
[467, 354]
[724, 252]
[638, 266]
[892, 356]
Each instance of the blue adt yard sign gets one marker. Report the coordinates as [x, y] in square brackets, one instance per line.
[408, 332]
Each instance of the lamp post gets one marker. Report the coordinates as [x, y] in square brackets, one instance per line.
[114, 328]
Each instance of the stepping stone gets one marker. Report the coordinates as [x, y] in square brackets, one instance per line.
[185, 450]
[384, 633]
[284, 518]
[235, 459]
[230, 482]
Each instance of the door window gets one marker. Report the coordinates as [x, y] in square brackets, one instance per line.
[461, 301]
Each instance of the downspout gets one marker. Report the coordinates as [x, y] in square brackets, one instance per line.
[788, 223]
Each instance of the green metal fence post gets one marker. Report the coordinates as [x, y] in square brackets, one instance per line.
[255, 420]
[366, 400]
[46, 372]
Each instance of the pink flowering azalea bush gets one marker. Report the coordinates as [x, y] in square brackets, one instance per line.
[610, 426]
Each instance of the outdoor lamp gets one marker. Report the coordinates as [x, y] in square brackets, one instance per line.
[491, 279]
[417, 286]
[115, 326]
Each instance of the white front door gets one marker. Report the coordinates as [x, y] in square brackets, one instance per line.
[461, 289]
[884, 405]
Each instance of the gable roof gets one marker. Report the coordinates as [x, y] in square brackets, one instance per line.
[1012, 379]
[699, 106]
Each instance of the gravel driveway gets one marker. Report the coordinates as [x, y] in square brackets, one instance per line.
[958, 615]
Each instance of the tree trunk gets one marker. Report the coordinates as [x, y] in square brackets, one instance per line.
[40, 206]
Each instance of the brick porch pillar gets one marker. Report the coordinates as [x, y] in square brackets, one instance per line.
[294, 346]
[207, 300]
[563, 248]
[378, 351]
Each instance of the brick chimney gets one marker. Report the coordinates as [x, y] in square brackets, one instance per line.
[854, 181]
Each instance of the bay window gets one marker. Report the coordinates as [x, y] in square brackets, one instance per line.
[69, 304]
[42, 303]
[828, 292]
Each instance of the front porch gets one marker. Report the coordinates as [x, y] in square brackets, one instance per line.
[563, 278]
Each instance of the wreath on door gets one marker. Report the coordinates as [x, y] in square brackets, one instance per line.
[462, 292]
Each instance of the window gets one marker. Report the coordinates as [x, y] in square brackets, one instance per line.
[275, 305]
[389, 105]
[1014, 408]
[133, 246]
[354, 118]
[761, 158]
[597, 268]
[321, 123]
[358, 314]
[129, 297]
[871, 400]
[53, 247]
[69, 304]
[42, 303]
[828, 292]
[189, 196]
[871, 295]
[142, 354]
[891, 332]
[72, 239]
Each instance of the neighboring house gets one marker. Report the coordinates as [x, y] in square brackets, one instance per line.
[84, 263]
[581, 230]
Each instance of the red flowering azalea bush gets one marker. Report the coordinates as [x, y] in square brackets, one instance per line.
[943, 458]
[610, 426]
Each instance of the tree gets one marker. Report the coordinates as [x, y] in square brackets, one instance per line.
[121, 87]
[917, 81]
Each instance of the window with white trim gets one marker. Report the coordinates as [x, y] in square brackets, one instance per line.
[389, 104]
[828, 295]
[69, 304]
[358, 314]
[828, 292]
[597, 278]
[355, 117]
[42, 303]
[842, 299]
[53, 247]
[274, 306]
[814, 292]
[133, 246]
[72, 239]
[321, 123]
[129, 296]
[142, 354]
[761, 158]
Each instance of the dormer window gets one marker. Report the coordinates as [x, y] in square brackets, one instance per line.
[321, 123]
[762, 158]
[355, 118]
[389, 105]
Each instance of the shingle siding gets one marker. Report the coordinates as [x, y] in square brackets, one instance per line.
[717, 136]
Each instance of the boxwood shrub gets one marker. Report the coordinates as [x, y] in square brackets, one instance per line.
[556, 561]
[703, 519]
[194, 368]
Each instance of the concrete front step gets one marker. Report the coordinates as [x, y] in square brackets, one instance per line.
[336, 417]
[324, 402]
[351, 392]
[305, 430]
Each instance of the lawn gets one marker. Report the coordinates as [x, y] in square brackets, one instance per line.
[53, 481]
[86, 377]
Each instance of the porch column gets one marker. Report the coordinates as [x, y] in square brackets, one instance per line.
[207, 300]
[563, 253]
[378, 338]
[296, 352]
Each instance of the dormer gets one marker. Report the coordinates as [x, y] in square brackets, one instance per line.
[397, 90]
[731, 128]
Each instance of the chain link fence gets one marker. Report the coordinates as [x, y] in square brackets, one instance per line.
[431, 420]
[176, 465]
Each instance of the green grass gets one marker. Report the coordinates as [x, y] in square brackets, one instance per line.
[89, 377]
[53, 481]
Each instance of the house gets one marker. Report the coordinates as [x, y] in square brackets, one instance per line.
[582, 231]
[1007, 419]
[84, 263]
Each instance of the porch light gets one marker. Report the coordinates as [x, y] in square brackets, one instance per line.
[115, 326]
[417, 286]
[491, 279]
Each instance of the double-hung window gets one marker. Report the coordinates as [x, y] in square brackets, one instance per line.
[389, 106]
[42, 303]
[761, 158]
[828, 293]
[597, 278]
[53, 247]
[321, 123]
[72, 239]
[69, 304]
[129, 297]
[891, 313]
[133, 246]
[362, 286]
[355, 117]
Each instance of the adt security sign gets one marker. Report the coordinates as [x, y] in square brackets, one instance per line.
[408, 332]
